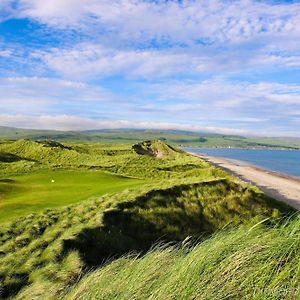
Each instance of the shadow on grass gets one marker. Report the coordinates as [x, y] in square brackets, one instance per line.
[9, 157]
[7, 180]
[170, 216]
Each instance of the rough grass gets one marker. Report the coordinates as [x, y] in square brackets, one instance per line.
[56, 247]
[156, 148]
[247, 263]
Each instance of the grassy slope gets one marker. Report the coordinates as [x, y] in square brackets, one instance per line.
[173, 137]
[44, 254]
[246, 263]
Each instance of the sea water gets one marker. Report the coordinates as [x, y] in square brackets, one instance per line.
[282, 161]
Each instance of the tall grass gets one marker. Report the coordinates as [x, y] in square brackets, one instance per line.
[245, 263]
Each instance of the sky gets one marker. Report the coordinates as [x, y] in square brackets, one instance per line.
[221, 66]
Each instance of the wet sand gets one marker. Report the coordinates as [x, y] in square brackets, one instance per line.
[278, 186]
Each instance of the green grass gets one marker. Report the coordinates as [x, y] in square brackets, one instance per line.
[56, 247]
[252, 262]
[67, 227]
[20, 195]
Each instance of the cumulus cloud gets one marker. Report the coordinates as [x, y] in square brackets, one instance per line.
[52, 88]
[163, 38]
[69, 122]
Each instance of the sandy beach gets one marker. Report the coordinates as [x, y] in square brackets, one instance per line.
[278, 186]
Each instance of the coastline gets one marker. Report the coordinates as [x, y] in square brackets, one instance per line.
[279, 186]
[242, 148]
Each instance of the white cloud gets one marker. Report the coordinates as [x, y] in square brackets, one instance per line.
[219, 101]
[175, 21]
[90, 60]
[216, 103]
[35, 95]
[222, 91]
[154, 40]
[86, 61]
[5, 53]
[69, 122]
[50, 88]
[6, 10]
[147, 39]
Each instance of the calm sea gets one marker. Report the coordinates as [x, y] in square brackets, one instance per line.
[283, 161]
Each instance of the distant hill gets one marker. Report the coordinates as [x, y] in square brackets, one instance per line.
[133, 136]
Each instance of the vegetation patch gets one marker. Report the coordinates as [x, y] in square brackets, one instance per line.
[192, 211]
[252, 262]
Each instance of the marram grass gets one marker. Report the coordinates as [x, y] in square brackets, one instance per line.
[246, 263]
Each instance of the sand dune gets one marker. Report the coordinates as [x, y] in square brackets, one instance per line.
[278, 186]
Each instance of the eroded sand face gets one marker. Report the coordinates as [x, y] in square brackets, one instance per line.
[277, 186]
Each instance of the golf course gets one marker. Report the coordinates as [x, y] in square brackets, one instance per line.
[149, 150]
[23, 194]
[136, 221]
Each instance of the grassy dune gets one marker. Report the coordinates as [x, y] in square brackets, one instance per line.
[246, 263]
[54, 249]
[168, 196]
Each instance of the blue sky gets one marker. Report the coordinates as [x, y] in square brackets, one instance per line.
[222, 66]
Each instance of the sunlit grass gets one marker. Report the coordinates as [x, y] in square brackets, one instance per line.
[246, 263]
[34, 192]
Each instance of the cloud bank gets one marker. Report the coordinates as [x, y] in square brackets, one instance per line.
[209, 64]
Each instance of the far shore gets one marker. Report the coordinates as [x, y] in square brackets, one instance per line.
[278, 186]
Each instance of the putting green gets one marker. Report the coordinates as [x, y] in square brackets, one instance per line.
[23, 194]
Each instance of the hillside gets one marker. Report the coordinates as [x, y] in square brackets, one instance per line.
[132, 136]
[245, 263]
[175, 198]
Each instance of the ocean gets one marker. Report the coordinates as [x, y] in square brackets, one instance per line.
[282, 161]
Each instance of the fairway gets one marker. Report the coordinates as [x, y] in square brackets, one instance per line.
[23, 194]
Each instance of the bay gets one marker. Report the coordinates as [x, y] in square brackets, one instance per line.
[282, 161]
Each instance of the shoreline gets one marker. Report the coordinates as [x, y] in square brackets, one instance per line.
[281, 187]
[241, 148]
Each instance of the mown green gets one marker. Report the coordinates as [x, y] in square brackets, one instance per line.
[34, 192]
